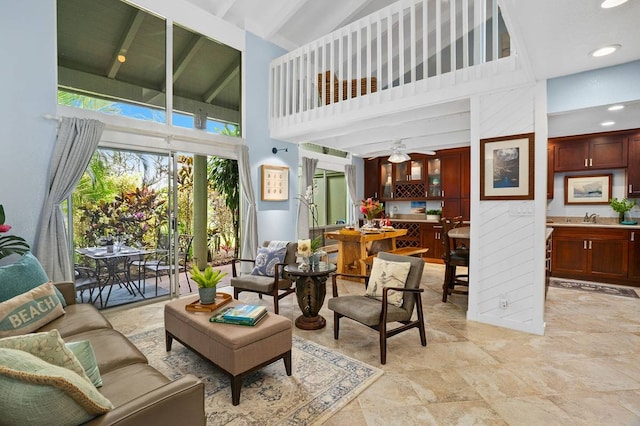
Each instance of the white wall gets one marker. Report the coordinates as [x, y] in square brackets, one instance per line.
[507, 249]
[28, 83]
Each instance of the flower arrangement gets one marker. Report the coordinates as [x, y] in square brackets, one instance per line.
[10, 244]
[308, 201]
[371, 208]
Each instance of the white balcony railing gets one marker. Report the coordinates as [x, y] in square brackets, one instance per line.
[403, 44]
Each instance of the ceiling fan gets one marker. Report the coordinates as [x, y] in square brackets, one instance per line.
[398, 152]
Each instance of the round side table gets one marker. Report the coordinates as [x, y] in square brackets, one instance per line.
[310, 291]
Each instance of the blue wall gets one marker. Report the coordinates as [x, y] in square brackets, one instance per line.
[276, 219]
[28, 80]
[620, 83]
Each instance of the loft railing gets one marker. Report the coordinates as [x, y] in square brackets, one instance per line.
[403, 44]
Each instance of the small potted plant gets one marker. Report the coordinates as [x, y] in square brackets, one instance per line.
[207, 281]
[434, 214]
[622, 207]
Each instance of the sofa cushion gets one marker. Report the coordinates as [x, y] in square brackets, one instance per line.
[22, 276]
[87, 358]
[113, 350]
[78, 319]
[119, 387]
[45, 393]
[47, 346]
[29, 311]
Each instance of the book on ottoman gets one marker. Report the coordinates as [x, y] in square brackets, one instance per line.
[240, 314]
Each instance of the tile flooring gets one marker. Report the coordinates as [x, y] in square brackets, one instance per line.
[585, 370]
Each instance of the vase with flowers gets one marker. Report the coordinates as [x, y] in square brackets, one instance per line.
[312, 245]
[370, 208]
[10, 244]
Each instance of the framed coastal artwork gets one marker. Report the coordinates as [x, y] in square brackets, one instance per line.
[274, 183]
[594, 189]
[507, 168]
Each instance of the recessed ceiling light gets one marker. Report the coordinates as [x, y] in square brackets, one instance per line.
[604, 51]
[122, 58]
[607, 123]
[615, 107]
[608, 4]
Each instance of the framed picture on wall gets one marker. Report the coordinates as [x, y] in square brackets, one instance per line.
[594, 189]
[274, 183]
[506, 168]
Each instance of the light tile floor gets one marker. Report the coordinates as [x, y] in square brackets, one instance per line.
[585, 370]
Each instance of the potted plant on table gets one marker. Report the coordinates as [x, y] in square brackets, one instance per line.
[10, 244]
[207, 281]
[434, 214]
[622, 207]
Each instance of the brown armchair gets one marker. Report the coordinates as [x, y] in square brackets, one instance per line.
[376, 314]
[277, 284]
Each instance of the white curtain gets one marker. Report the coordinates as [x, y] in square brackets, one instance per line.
[309, 166]
[350, 175]
[249, 229]
[76, 142]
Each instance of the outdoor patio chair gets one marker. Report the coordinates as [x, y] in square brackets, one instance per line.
[380, 306]
[161, 264]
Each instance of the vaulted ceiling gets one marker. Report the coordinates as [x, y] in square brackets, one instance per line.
[555, 37]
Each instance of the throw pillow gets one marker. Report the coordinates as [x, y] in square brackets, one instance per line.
[29, 311]
[22, 276]
[385, 273]
[34, 392]
[266, 260]
[49, 347]
[84, 353]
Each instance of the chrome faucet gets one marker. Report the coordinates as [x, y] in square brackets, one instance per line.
[590, 217]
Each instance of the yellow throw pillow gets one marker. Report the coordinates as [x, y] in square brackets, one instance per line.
[385, 273]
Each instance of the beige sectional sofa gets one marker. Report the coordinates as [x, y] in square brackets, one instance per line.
[140, 394]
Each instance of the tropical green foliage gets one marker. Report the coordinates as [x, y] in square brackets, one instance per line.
[10, 244]
[208, 278]
[622, 206]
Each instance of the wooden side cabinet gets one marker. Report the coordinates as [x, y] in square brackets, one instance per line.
[594, 253]
[633, 172]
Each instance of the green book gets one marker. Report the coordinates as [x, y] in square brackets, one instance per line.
[220, 317]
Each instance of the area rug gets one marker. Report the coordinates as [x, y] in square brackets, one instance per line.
[322, 382]
[593, 287]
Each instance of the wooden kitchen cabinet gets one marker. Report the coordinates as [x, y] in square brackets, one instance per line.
[633, 172]
[550, 171]
[402, 181]
[372, 178]
[431, 238]
[590, 152]
[411, 238]
[634, 256]
[593, 253]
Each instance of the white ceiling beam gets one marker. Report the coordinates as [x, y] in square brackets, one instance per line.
[224, 8]
[229, 74]
[356, 8]
[283, 17]
[125, 42]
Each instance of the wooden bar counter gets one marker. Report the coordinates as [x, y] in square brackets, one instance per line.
[353, 246]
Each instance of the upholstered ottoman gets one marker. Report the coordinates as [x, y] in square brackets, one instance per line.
[235, 349]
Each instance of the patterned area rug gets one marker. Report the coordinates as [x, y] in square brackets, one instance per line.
[321, 383]
[593, 287]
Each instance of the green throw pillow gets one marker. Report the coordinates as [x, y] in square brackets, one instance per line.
[22, 276]
[84, 353]
[49, 347]
[34, 392]
[29, 311]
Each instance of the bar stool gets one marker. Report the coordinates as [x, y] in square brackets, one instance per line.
[453, 257]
